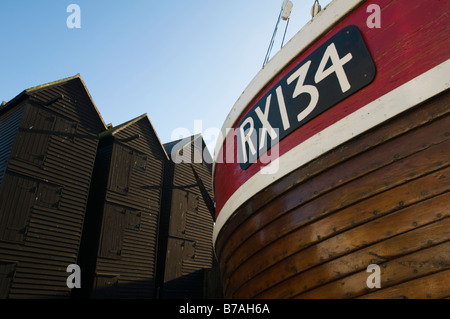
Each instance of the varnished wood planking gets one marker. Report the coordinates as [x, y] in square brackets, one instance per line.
[335, 269]
[427, 112]
[403, 196]
[409, 164]
[344, 243]
[369, 185]
[433, 286]
[405, 268]
[338, 175]
[407, 42]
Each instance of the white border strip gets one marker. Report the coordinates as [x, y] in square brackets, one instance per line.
[416, 91]
[315, 28]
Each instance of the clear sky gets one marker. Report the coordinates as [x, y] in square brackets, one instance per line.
[179, 61]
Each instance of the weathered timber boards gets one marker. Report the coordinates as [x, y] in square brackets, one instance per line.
[421, 115]
[44, 192]
[377, 181]
[285, 286]
[405, 268]
[396, 175]
[366, 186]
[126, 259]
[432, 286]
[316, 251]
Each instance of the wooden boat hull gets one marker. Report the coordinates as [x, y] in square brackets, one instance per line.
[382, 199]
[358, 204]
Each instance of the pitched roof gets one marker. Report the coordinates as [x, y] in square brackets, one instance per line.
[31, 90]
[177, 145]
[116, 129]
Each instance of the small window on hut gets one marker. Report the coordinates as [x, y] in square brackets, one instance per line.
[65, 130]
[133, 220]
[114, 222]
[16, 200]
[140, 161]
[179, 207]
[193, 202]
[178, 252]
[33, 136]
[121, 163]
[48, 195]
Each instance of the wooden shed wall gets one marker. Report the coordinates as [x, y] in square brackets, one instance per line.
[56, 210]
[190, 225]
[126, 256]
[44, 191]
[9, 125]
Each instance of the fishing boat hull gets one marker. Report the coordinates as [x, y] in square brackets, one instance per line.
[379, 199]
[355, 201]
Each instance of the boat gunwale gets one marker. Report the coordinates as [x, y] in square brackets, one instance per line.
[429, 85]
[325, 20]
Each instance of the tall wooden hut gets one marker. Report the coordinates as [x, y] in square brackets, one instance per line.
[119, 250]
[48, 142]
[185, 246]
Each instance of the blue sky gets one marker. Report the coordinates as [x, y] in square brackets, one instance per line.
[179, 61]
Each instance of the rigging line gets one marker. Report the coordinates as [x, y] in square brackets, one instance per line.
[285, 30]
[266, 59]
[272, 40]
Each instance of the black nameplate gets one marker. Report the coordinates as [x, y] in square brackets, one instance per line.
[337, 69]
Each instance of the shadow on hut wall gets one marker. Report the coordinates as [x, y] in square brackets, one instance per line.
[149, 222]
[201, 284]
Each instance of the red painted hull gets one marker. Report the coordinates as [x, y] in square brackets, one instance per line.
[409, 42]
[363, 183]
